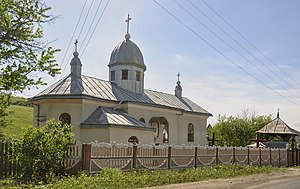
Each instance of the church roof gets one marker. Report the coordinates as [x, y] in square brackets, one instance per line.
[127, 52]
[277, 126]
[108, 116]
[105, 90]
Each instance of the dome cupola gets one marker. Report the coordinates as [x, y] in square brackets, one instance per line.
[126, 65]
[127, 53]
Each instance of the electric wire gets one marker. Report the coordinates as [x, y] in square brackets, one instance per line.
[86, 16]
[242, 36]
[236, 51]
[106, 5]
[78, 38]
[229, 59]
[241, 46]
[61, 63]
[98, 7]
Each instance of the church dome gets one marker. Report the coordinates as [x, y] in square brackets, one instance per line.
[127, 52]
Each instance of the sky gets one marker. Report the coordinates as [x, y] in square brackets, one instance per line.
[231, 55]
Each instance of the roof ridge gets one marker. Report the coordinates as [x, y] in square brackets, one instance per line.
[95, 78]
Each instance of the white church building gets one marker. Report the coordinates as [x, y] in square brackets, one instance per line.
[120, 109]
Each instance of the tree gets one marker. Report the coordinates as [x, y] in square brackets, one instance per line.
[239, 130]
[23, 54]
[42, 150]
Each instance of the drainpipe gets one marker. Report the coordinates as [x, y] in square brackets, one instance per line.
[37, 117]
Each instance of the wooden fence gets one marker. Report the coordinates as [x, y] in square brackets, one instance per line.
[7, 166]
[94, 157]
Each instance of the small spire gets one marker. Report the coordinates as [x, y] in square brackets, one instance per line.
[75, 52]
[178, 88]
[127, 36]
[278, 113]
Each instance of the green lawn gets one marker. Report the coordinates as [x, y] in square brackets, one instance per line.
[21, 118]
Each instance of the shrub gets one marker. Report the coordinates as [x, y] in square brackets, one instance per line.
[40, 153]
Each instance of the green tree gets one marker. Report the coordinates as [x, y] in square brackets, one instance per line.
[23, 53]
[41, 151]
[239, 130]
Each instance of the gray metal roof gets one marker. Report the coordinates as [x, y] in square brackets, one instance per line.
[108, 116]
[127, 52]
[277, 126]
[106, 90]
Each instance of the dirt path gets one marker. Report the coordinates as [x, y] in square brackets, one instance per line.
[251, 181]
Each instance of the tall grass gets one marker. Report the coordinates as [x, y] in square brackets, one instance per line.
[113, 178]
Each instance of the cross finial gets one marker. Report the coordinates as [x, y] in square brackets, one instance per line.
[128, 19]
[278, 113]
[76, 42]
[178, 75]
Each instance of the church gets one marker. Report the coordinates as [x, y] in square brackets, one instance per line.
[120, 109]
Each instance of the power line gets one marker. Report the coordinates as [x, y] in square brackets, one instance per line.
[81, 29]
[87, 14]
[205, 41]
[106, 5]
[230, 25]
[240, 45]
[215, 34]
[73, 35]
[91, 25]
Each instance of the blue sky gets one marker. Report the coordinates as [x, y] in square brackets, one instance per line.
[168, 47]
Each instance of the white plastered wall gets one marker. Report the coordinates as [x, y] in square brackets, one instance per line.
[178, 123]
[93, 134]
[121, 135]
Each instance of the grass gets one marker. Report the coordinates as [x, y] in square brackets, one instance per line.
[113, 178]
[21, 118]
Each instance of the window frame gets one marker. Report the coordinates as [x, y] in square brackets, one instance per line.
[125, 73]
[138, 75]
[190, 133]
[64, 116]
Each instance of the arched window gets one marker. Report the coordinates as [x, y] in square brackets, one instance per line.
[133, 140]
[162, 126]
[142, 120]
[65, 118]
[190, 133]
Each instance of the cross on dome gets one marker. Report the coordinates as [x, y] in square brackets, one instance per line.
[128, 19]
[178, 75]
[75, 52]
[127, 36]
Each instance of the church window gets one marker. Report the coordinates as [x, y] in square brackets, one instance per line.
[165, 131]
[124, 74]
[112, 75]
[138, 76]
[133, 140]
[161, 126]
[65, 118]
[190, 133]
[142, 120]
